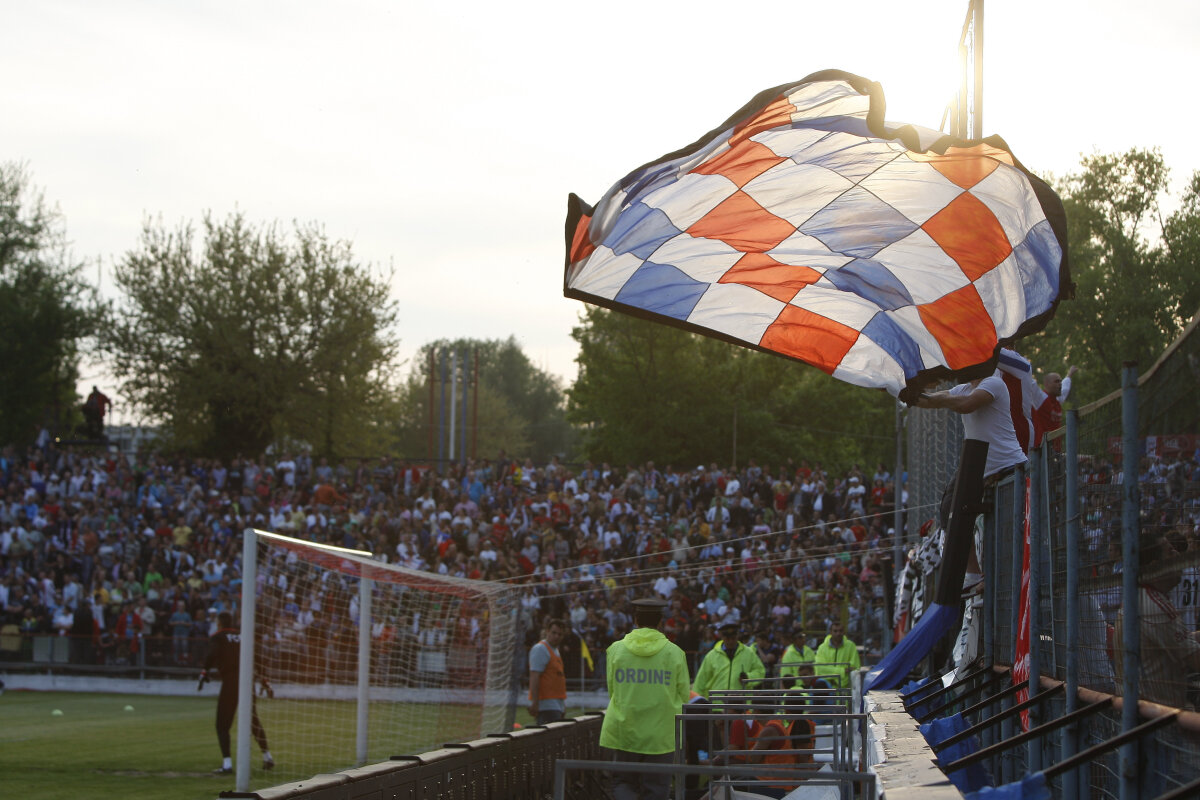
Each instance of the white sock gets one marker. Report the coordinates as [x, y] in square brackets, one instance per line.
[227, 764]
[267, 755]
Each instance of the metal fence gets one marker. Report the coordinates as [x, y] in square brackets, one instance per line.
[934, 439]
[102, 654]
[1114, 619]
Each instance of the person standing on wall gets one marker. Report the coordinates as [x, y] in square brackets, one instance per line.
[986, 410]
[648, 685]
[547, 679]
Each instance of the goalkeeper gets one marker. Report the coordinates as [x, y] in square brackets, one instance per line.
[224, 653]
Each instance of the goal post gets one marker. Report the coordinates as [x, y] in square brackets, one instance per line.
[366, 659]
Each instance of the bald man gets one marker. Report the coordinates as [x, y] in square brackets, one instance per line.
[1048, 414]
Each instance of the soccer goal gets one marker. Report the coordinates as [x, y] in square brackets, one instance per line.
[364, 660]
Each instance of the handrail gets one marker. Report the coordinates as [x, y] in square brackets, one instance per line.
[1017, 709]
[1105, 746]
[960, 682]
[936, 710]
[987, 722]
[1021, 738]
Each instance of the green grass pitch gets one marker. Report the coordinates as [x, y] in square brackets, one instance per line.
[165, 747]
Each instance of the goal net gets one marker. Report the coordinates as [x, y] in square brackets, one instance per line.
[366, 660]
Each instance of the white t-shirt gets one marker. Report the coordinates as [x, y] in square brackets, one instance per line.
[612, 539]
[664, 586]
[992, 423]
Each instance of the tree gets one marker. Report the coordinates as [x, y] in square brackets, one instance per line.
[46, 310]
[650, 391]
[520, 408]
[255, 337]
[1181, 235]
[1134, 272]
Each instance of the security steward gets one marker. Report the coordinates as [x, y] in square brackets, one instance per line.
[797, 653]
[729, 665]
[647, 687]
[837, 657]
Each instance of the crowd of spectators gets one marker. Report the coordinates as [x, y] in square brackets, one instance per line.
[1169, 504]
[132, 557]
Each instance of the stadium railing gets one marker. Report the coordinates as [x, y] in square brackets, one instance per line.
[1089, 505]
[153, 655]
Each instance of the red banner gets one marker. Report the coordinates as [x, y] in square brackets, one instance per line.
[1020, 669]
[1172, 445]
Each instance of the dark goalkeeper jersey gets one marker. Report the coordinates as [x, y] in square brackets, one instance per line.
[224, 653]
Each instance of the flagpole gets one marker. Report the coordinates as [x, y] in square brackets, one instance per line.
[966, 114]
[977, 47]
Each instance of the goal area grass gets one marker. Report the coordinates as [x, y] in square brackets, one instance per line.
[165, 747]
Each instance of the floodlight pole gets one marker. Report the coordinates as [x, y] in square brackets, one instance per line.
[432, 401]
[453, 400]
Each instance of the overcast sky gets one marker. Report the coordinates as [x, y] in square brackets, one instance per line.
[443, 138]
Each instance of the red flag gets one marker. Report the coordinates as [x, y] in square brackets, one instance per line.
[1021, 656]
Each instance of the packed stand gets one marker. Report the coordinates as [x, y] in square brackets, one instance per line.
[133, 558]
[1169, 485]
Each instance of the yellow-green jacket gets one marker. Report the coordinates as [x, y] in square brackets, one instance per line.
[792, 656]
[647, 687]
[827, 654]
[719, 671]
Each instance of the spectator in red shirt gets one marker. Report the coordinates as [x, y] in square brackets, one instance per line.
[1048, 415]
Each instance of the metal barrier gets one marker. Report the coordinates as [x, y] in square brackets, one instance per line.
[1110, 712]
[89, 654]
[506, 766]
[835, 746]
[849, 784]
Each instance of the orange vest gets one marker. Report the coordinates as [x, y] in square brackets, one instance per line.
[553, 685]
[782, 735]
[777, 734]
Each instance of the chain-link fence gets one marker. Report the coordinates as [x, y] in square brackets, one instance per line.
[1098, 518]
[1115, 555]
[933, 443]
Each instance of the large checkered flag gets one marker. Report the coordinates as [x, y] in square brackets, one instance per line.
[807, 226]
